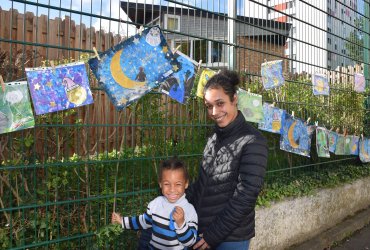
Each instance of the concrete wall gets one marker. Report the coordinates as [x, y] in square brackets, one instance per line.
[296, 220]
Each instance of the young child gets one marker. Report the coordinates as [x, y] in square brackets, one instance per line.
[173, 219]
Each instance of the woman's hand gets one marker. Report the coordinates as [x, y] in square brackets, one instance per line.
[202, 244]
[116, 218]
[179, 216]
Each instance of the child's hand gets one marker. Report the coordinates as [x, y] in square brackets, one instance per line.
[116, 218]
[179, 216]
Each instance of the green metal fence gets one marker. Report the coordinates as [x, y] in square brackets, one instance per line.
[61, 179]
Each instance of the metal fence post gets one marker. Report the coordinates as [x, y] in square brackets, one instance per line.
[231, 33]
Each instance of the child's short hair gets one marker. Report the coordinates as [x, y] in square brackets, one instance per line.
[172, 164]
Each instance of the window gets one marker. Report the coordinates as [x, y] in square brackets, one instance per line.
[329, 40]
[172, 22]
[335, 47]
[207, 51]
[329, 56]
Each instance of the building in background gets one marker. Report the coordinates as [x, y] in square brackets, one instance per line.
[322, 33]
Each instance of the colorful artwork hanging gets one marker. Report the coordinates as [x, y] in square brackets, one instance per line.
[354, 145]
[272, 118]
[272, 74]
[134, 67]
[55, 89]
[179, 85]
[320, 85]
[15, 108]
[339, 148]
[296, 136]
[250, 105]
[364, 149]
[203, 79]
[359, 82]
[333, 137]
[347, 144]
[322, 142]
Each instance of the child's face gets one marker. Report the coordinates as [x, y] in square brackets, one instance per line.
[173, 184]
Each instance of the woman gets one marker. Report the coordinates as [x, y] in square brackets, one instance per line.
[231, 173]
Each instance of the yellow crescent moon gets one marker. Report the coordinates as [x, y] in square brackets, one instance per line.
[119, 76]
[292, 142]
[364, 153]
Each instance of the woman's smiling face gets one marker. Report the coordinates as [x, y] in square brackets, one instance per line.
[219, 106]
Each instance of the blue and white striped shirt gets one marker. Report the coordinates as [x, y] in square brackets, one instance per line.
[157, 216]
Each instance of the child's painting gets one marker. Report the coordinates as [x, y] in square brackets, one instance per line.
[179, 85]
[320, 85]
[296, 136]
[359, 83]
[322, 142]
[134, 67]
[272, 74]
[333, 137]
[364, 150]
[15, 108]
[339, 148]
[354, 145]
[203, 79]
[60, 88]
[347, 144]
[250, 105]
[272, 118]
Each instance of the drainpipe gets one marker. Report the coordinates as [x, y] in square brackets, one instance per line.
[231, 33]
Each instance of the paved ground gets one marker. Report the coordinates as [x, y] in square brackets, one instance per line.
[336, 238]
[360, 240]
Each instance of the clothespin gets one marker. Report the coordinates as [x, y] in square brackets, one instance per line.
[273, 104]
[362, 136]
[308, 120]
[293, 114]
[52, 66]
[141, 29]
[337, 130]
[249, 90]
[175, 50]
[96, 53]
[199, 63]
[265, 60]
[2, 83]
[316, 123]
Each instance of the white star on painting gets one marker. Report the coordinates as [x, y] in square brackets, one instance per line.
[37, 86]
[136, 40]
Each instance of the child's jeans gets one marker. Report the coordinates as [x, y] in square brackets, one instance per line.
[235, 245]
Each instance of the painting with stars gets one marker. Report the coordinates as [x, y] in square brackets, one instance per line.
[15, 108]
[60, 88]
[134, 67]
[364, 150]
[272, 118]
[179, 85]
[296, 136]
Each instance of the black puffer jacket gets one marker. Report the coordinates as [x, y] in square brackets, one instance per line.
[230, 179]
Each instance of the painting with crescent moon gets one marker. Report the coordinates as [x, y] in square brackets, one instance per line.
[15, 108]
[250, 105]
[203, 79]
[272, 74]
[179, 85]
[322, 142]
[339, 148]
[359, 82]
[364, 150]
[272, 118]
[296, 136]
[134, 67]
[320, 85]
[354, 145]
[60, 88]
[332, 136]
